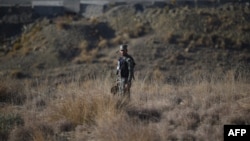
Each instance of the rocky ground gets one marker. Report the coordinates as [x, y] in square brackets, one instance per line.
[167, 43]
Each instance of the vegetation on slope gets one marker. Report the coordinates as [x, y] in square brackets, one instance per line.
[192, 76]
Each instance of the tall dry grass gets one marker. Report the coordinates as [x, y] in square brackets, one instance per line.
[195, 109]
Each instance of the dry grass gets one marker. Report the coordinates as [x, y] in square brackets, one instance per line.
[11, 92]
[17, 74]
[25, 43]
[84, 45]
[63, 22]
[84, 105]
[63, 107]
[83, 110]
[123, 130]
[36, 132]
[4, 92]
[103, 43]
[7, 123]
[94, 20]
[62, 26]
[193, 110]
[86, 56]
[17, 45]
[136, 31]
[191, 40]
[117, 40]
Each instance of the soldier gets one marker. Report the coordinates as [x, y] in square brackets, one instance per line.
[125, 71]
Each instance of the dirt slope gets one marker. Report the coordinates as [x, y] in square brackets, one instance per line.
[167, 43]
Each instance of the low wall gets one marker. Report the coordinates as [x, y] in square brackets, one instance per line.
[90, 8]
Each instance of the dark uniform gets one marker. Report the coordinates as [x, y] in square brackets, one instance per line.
[125, 71]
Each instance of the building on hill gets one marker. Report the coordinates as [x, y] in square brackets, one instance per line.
[92, 8]
[48, 8]
[9, 3]
[96, 7]
[59, 7]
[72, 5]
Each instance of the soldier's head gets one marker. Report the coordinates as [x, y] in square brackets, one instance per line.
[123, 49]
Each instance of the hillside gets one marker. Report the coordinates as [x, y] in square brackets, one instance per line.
[171, 42]
[191, 77]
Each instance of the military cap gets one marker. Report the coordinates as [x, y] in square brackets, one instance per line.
[123, 47]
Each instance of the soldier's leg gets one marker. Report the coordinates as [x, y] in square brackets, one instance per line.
[121, 86]
[127, 90]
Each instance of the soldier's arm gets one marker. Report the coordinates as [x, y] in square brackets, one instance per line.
[118, 67]
[130, 69]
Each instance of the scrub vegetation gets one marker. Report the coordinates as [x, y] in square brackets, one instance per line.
[191, 76]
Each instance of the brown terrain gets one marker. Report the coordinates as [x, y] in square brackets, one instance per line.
[192, 74]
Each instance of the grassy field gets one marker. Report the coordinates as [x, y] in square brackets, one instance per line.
[41, 110]
[192, 75]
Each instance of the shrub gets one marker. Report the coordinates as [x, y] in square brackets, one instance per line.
[22, 133]
[84, 45]
[117, 40]
[124, 130]
[18, 74]
[62, 26]
[4, 93]
[17, 46]
[63, 22]
[103, 43]
[7, 123]
[85, 109]
[36, 132]
[11, 94]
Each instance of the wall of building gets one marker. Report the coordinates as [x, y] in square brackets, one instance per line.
[96, 7]
[48, 8]
[72, 5]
